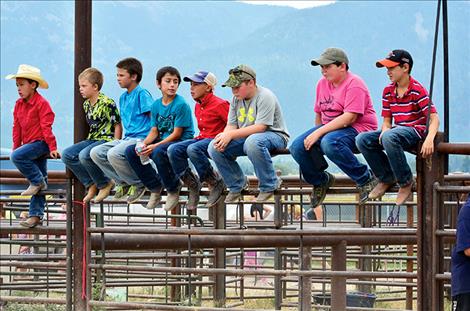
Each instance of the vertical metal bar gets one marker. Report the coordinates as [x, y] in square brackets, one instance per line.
[437, 255]
[427, 176]
[305, 292]
[445, 42]
[277, 212]
[219, 223]
[68, 260]
[277, 278]
[338, 284]
[409, 262]
[82, 54]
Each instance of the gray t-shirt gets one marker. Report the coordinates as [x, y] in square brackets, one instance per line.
[263, 108]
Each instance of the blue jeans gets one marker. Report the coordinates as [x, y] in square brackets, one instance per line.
[77, 159]
[110, 158]
[196, 151]
[256, 147]
[339, 146]
[389, 166]
[149, 177]
[31, 161]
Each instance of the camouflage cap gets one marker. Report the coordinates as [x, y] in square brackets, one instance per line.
[239, 74]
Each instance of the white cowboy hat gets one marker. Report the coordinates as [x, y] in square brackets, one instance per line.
[29, 72]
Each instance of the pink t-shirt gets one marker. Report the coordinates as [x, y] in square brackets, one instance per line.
[351, 95]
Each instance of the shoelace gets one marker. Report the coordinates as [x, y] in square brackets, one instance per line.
[394, 217]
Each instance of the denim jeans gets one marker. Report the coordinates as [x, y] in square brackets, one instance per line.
[31, 161]
[149, 177]
[339, 146]
[77, 159]
[110, 158]
[256, 147]
[389, 166]
[196, 151]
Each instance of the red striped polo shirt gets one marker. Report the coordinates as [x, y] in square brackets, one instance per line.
[409, 110]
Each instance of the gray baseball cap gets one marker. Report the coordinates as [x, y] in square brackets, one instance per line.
[330, 56]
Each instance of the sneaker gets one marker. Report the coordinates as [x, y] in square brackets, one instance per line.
[104, 192]
[264, 196]
[319, 192]
[172, 199]
[92, 191]
[31, 222]
[379, 190]
[365, 189]
[404, 193]
[233, 197]
[154, 200]
[121, 191]
[135, 194]
[34, 189]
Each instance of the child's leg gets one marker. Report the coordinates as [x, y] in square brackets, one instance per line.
[227, 165]
[24, 159]
[395, 141]
[199, 156]
[339, 147]
[117, 158]
[38, 201]
[368, 144]
[178, 156]
[93, 170]
[167, 175]
[145, 173]
[257, 147]
[70, 156]
[306, 161]
[99, 155]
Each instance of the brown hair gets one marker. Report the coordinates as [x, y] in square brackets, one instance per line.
[93, 75]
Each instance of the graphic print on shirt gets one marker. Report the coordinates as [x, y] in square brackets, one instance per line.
[165, 124]
[329, 107]
[242, 114]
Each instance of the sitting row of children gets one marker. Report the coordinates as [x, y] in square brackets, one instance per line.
[252, 125]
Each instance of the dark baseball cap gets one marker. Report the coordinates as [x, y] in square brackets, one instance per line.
[395, 58]
[330, 56]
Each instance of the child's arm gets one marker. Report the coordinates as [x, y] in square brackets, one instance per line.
[342, 121]
[386, 125]
[222, 140]
[151, 137]
[46, 119]
[428, 145]
[117, 131]
[16, 132]
[317, 119]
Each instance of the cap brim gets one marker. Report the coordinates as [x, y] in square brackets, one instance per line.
[386, 63]
[321, 61]
[192, 79]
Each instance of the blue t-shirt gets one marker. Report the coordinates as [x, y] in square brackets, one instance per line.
[460, 262]
[134, 108]
[175, 114]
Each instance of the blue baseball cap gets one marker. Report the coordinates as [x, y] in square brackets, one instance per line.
[202, 77]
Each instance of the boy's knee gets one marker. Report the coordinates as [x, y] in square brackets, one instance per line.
[129, 152]
[362, 140]
[84, 157]
[15, 156]
[389, 138]
[97, 155]
[329, 146]
[253, 144]
[174, 151]
[213, 153]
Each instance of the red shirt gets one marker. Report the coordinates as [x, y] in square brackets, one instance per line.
[410, 109]
[211, 115]
[32, 121]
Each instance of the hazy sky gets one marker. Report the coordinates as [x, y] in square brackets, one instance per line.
[294, 4]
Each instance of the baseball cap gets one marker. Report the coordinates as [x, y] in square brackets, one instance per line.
[202, 77]
[330, 56]
[239, 74]
[395, 58]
